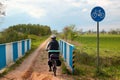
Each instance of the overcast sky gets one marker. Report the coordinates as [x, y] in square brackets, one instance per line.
[59, 13]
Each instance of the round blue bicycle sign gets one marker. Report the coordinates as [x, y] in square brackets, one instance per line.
[98, 14]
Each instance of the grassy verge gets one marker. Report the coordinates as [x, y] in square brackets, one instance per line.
[36, 41]
[64, 68]
[85, 57]
[85, 64]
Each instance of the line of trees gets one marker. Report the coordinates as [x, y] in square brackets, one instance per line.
[22, 31]
[70, 32]
[36, 29]
[112, 31]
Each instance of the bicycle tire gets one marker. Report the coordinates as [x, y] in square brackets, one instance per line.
[54, 67]
[54, 70]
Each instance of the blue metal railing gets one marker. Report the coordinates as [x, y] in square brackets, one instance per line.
[10, 52]
[67, 53]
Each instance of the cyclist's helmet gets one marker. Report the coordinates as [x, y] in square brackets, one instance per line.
[53, 37]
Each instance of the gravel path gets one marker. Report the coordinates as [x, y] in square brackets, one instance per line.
[35, 68]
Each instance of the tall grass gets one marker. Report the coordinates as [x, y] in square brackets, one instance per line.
[85, 60]
[36, 40]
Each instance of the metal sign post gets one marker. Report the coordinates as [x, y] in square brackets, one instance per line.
[98, 46]
[98, 14]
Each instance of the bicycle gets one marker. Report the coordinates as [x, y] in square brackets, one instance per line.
[98, 13]
[54, 59]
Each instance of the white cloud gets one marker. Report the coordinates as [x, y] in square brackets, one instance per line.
[43, 7]
[36, 13]
[29, 7]
[76, 4]
[99, 2]
[2, 1]
[60, 10]
[84, 10]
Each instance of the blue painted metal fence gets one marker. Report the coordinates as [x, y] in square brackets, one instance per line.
[67, 53]
[10, 52]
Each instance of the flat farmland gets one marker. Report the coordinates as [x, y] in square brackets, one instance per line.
[86, 56]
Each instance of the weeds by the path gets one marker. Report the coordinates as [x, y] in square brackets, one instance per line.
[36, 41]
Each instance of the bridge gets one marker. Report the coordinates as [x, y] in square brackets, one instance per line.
[11, 52]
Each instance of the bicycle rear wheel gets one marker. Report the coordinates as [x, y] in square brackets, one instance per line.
[54, 67]
[54, 70]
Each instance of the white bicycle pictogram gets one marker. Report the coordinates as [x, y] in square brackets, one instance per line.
[98, 13]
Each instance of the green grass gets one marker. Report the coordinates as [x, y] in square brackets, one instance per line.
[85, 60]
[0, 35]
[36, 41]
[108, 43]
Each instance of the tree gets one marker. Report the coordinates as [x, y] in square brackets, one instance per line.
[2, 9]
[54, 32]
[65, 30]
[2, 12]
[69, 32]
[112, 31]
[80, 31]
[36, 29]
[21, 31]
[103, 31]
[118, 30]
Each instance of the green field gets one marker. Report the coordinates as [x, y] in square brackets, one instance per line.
[108, 43]
[109, 56]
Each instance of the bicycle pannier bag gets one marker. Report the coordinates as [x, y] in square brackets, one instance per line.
[58, 62]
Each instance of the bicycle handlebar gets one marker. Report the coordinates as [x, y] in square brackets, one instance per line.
[53, 50]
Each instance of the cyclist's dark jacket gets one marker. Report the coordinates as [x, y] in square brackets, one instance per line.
[53, 45]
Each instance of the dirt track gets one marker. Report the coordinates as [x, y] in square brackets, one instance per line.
[35, 68]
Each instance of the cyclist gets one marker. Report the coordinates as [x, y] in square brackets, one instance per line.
[52, 45]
